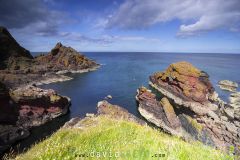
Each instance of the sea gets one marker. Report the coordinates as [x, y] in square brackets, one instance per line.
[120, 75]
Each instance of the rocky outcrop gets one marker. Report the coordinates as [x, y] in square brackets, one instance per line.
[187, 86]
[18, 67]
[38, 106]
[27, 107]
[234, 100]
[12, 55]
[65, 59]
[163, 115]
[228, 85]
[117, 112]
[219, 132]
[196, 104]
[104, 108]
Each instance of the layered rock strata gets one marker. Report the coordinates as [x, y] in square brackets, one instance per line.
[202, 114]
[27, 107]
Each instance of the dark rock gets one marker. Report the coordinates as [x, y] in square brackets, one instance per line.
[195, 129]
[11, 53]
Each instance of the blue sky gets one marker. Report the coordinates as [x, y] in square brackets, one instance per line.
[125, 25]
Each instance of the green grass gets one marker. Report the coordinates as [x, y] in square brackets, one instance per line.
[106, 138]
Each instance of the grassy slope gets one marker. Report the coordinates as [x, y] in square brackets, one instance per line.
[122, 139]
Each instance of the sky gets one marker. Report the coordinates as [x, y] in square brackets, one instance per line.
[201, 26]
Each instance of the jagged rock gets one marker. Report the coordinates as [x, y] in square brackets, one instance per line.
[37, 106]
[228, 85]
[170, 114]
[229, 112]
[66, 59]
[12, 55]
[210, 129]
[117, 112]
[24, 108]
[195, 129]
[103, 109]
[235, 104]
[187, 86]
[153, 112]
[18, 67]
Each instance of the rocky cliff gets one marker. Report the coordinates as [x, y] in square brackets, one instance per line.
[12, 55]
[18, 67]
[65, 58]
[24, 108]
[192, 109]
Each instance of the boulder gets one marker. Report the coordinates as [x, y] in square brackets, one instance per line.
[228, 85]
[116, 112]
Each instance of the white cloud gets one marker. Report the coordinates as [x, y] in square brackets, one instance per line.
[197, 16]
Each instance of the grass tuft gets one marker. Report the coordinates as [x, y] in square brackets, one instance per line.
[118, 139]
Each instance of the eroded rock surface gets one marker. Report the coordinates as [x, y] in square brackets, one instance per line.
[18, 67]
[27, 107]
[195, 102]
[228, 85]
[104, 108]
[65, 59]
[219, 132]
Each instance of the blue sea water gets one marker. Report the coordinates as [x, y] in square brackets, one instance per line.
[121, 74]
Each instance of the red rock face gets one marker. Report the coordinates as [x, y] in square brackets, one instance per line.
[185, 81]
[37, 106]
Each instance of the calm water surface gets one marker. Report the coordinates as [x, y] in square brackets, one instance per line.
[120, 76]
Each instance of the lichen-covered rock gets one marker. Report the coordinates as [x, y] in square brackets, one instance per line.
[195, 129]
[18, 67]
[37, 106]
[65, 58]
[170, 113]
[186, 81]
[24, 108]
[154, 112]
[228, 85]
[117, 112]
[104, 108]
[187, 86]
[213, 129]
